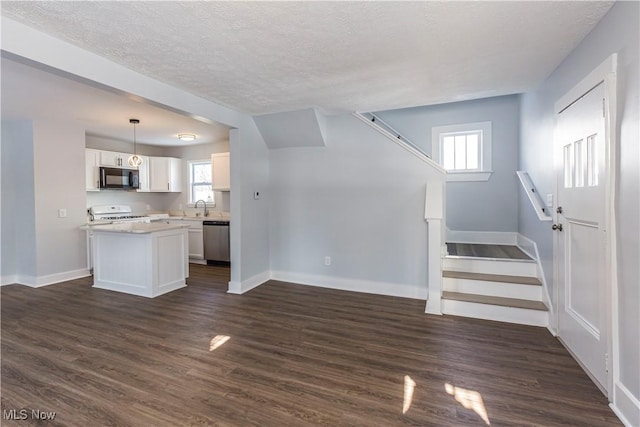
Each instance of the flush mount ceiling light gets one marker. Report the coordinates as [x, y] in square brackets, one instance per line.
[134, 160]
[186, 137]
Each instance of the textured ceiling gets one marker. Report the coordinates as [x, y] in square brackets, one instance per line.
[265, 57]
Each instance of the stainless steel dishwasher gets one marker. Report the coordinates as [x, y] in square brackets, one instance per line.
[216, 241]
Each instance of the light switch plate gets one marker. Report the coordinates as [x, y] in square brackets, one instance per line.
[62, 213]
[256, 195]
[550, 200]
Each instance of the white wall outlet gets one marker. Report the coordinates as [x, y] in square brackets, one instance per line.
[327, 260]
[180, 206]
[62, 213]
[550, 200]
[256, 195]
[148, 207]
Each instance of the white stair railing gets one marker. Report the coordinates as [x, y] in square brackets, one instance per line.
[534, 197]
[385, 129]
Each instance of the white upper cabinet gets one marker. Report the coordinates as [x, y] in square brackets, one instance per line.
[143, 175]
[92, 169]
[175, 175]
[165, 174]
[220, 172]
[158, 174]
[114, 160]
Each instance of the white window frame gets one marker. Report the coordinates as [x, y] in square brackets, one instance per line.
[484, 172]
[191, 203]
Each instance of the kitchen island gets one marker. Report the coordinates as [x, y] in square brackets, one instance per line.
[145, 259]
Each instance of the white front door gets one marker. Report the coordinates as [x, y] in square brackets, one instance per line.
[580, 233]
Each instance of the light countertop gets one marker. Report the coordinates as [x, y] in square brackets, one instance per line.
[213, 216]
[137, 227]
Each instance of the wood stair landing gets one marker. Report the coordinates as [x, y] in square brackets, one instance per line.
[525, 280]
[500, 285]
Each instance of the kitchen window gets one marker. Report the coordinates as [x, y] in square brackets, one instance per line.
[464, 150]
[200, 182]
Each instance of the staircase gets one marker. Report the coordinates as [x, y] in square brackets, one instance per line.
[492, 282]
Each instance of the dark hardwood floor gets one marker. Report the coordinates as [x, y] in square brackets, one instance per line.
[295, 355]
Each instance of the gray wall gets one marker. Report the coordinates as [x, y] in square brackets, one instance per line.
[359, 200]
[111, 144]
[60, 243]
[18, 202]
[39, 164]
[617, 32]
[249, 217]
[494, 203]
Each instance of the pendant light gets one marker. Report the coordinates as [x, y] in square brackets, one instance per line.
[134, 160]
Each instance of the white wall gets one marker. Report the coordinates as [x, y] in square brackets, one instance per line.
[359, 200]
[617, 32]
[18, 202]
[473, 206]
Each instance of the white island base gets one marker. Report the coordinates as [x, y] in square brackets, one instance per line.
[140, 259]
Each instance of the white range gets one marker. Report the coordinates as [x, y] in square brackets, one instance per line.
[114, 214]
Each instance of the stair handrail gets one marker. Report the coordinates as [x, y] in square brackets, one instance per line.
[534, 196]
[385, 129]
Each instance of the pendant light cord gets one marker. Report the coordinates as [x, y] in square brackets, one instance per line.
[135, 152]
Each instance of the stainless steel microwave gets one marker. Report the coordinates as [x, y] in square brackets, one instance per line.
[119, 179]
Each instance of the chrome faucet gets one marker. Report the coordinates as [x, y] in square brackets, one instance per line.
[206, 211]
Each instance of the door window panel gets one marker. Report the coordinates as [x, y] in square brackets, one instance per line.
[568, 165]
[579, 165]
[592, 161]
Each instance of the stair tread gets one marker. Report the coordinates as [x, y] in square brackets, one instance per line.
[485, 259]
[501, 301]
[484, 250]
[524, 280]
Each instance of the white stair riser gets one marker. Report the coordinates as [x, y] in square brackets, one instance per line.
[498, 313]
[494, 289]
[508, 268]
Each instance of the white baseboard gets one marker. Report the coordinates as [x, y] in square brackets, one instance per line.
[60, 277]
[246, 285]
[8, 280]
[531, 248]
[353, 285]
[434, 304]
[487, 237]
[625, 405]
[51, 279]
[527, 245]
